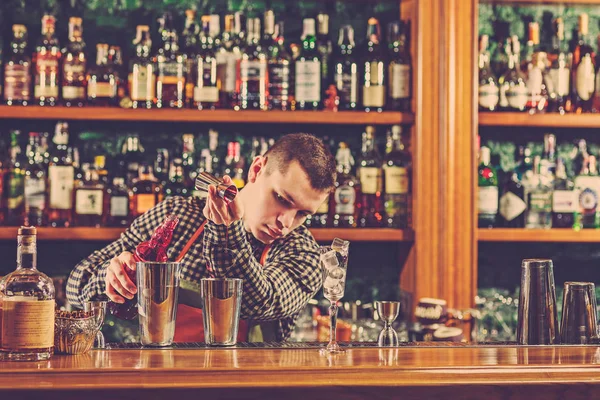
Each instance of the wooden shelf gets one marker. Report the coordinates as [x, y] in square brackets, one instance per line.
[109, 234]
[539, 235]
[227, 116]
[550, 120]
[536, 2]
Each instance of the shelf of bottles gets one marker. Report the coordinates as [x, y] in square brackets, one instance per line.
[250, 65]
[547, 120]
[537, 2]
[558, 235]
[109, 234]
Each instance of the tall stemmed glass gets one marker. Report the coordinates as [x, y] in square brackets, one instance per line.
[334, 263]
[99, 309]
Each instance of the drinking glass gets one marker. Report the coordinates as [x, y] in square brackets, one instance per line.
[334, 263]
[99, 309]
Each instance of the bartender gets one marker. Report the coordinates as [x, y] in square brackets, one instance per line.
[260, 237]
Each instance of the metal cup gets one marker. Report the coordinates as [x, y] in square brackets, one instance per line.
[99, 309]
[579, 323]
[158, 288]
[388, 312]
[222, 300]
[537, 321]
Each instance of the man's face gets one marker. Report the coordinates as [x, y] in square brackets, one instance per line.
[276, 203]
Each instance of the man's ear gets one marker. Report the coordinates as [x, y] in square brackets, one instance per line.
[256, 168]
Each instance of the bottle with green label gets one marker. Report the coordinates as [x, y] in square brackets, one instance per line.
[487, 204]
[587, 185]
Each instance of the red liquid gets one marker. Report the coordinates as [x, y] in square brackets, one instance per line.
[154, 249]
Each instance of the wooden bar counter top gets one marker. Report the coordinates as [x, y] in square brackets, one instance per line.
[479, 372]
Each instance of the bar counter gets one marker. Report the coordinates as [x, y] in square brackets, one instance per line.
[487, 372]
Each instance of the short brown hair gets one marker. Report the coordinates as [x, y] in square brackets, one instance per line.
[312, 155]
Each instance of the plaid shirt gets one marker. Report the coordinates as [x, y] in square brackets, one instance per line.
[276, 291]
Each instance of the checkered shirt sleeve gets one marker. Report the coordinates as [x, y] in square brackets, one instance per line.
[86, 281]
[281, 288]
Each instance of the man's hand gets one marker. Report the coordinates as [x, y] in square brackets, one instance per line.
[217, 210]
[118, 283]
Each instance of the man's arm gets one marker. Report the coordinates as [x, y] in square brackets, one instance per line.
[87, 278]
[276, 290]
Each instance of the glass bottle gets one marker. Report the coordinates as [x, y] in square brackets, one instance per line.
[119, 213]
[213, 144]
[228, 56]
[161, 165]
[142, 72]
[102, 81]
[374, 79]
[279, 71]
[190, 34]
[146, 191]
[538, 194]
[170, 81]
[252, 78]
[581, 157]
[370, 176]
[499, 58]
[345, 69]
[512, 206]
[525, 162]
[176, 186]
[154, 249]
[537, 92]
[35, 185]
[587, 184]
[115, 62]
[132, 156]
[399, 85]
[397, 167]
[345, 196]
[90, 200]
[559, 74]
[61, 179]
[324, 48]
[564, 199]
[187, 155]
[487, 192]
[206, 91]
[27, 329]
[549, 157]
[584, 70]
[17, 70]
[74, 66]
[46, 59]
[513, 88]
[14, 183]
[308, 70]
[489, 93]
[234, 164]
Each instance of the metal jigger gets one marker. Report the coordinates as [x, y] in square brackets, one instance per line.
[226, 192]
[388, 312]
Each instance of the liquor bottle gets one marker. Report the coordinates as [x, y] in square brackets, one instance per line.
[344, 200]
[100, 169]
[46, 60]
[118, 195]
[587, 184]
[213, 144]
[537, 92]
[252, 77]
[580, 159]
[142, 73]
[115, 63]
[74, 66]
[500, 56]
[374, 82]
[170, 81]
[399, 85]
[161, 165]
[176, 186]
[90, 200]
[146, 190]
[308, 70]
[228, 56]
[154, 249]
[17, 70]
[549, 157]
[206, 90]
[584, 70]
[234, 164]
[345, 69]
[397, 166]
[103, 87]
[187, 155]
[489, 93]
[511, 210]
[525, 162]
[559, 74]
[487, 193]
[369, 174]
[513, 88]
[564, 199]
[190, 34]
[132, 157]
[324, 48]
[538, 195]
[27, 329]
[279, 66]
[14, 183]
[35, 184]
[61, 179]
[531, 47]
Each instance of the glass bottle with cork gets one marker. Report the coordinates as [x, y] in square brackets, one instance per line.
[345, 69]
[170, 81]
[74, 66]
[90, 200]
[46, 59]
[206, 90]
[35, 184]
[374, 77]
[252, 77]
[399, 85]
[142, 71]
[102, 80]
[371, 183]
[308, 70]
[28, 302]
[61, 178]
[17, 70]
[280, 70]
[397, 166]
